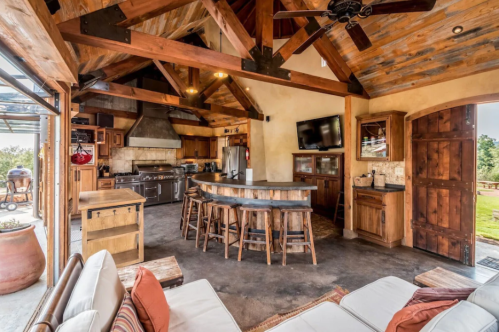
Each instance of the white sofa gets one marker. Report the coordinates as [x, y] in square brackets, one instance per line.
[372, 307]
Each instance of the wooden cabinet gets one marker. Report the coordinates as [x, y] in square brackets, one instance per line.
[105, 183]
[380, 136]
[379, 216]
[214, 148]
[114, 138]
[194, 147]
[238, 140]
[84, 178]
[326, 172]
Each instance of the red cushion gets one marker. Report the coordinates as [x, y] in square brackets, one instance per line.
[150, 302]
[439, 294]
[415, 317]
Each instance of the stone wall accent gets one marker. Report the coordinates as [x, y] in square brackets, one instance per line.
[388, 168]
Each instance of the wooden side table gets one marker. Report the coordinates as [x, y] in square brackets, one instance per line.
[165, 269]
[442, 278]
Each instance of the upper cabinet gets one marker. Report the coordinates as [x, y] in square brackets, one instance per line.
[113, 138]
[214, 148]
[238, 140]
[380, 136]
[194, 147]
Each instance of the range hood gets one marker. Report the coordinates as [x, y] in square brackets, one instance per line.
[152, 129]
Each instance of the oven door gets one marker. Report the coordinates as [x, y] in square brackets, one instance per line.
[137, 187]
[165, 191]
[151, 193]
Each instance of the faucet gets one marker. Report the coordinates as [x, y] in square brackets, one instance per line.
[234, 175]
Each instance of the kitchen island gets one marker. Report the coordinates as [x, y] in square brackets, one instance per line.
[113, 220]
[275, 194]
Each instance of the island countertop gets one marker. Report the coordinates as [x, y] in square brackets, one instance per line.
[217, 180]
[107, 198]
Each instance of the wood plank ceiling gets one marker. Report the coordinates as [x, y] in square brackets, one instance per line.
[409, 50]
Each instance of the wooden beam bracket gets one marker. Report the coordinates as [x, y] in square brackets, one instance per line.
[103, 24]
[85, 81]
[265, 64]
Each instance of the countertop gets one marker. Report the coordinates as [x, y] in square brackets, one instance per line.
[218, 180]
[108, 198]
[386, 189]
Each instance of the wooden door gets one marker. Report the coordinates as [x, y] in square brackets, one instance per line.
[369, 219]
[213, 148]
[74, 190]
[203, 147]
[105, 148]
[189, 146]
[444, 166]
[332, 192]
[118, 139]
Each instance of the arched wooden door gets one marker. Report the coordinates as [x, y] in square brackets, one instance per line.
[443, 183]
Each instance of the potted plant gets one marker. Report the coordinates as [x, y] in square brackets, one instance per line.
[22, 261]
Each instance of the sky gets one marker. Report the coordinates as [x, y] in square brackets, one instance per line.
[488, 120]
[23, 140]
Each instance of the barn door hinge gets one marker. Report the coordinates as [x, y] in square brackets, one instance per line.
[102, 24]
[466, 254]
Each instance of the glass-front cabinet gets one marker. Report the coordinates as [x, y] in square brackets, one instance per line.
[303, 164]
[327, 165]
[380, 136]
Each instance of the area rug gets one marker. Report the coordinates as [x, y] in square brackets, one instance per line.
[491, 262]
[334, 296]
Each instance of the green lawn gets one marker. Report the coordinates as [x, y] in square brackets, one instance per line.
[485, 226]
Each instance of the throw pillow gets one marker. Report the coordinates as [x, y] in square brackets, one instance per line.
[415, 317]
[150, 302]
[86, 321]
[127, 320]
[439, 294]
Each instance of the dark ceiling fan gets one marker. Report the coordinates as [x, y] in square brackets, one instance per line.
[343, 11]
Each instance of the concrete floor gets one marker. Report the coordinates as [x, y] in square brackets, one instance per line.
[253, 291]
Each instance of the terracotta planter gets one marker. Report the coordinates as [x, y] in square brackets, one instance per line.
[22, 261]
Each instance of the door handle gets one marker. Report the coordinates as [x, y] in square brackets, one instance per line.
[79, 175]
[159, 189]
[76, 175]
[382, 217]
[176, 187]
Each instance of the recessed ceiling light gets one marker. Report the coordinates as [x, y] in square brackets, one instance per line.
[457, 30]
[247, 89]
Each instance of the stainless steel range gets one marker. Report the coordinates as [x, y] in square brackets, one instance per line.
[157, 183]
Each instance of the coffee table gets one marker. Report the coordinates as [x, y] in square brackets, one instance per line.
[442, 278]
[166, 270]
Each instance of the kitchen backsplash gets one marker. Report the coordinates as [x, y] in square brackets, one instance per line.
[122, 158]
[389, 168]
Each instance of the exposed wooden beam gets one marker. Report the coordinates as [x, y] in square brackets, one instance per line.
[172, 77]
[187, 122]
[241, 96]
[193, 75]
[264, 24]
[8, 125]
[323, 45]
[123, 91]
[232, 27]
[116, 113]
[18, 117]
[154, 47]
[29, 24]
[210, 89]
[226, 123]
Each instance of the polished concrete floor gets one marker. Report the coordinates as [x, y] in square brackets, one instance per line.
[253, 291]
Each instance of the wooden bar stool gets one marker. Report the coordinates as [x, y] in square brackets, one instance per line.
[200, 203]
[222, 230]
[246, 230]
[308, 239]
[193, 191]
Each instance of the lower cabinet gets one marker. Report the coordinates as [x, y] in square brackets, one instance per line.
[105, 183]
[84, 178]
[379, 216]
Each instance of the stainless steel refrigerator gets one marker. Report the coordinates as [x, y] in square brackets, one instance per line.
[234, 162]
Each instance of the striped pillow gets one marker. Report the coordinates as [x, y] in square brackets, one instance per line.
[126, 319]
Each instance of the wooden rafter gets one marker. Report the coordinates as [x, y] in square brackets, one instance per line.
[193, 77]
[239, 94]
[123, 91]
[210, 89]
[154, 47]
[232, 27]
[172, 77]
[29, 25]
[264, 24]
[116, 113]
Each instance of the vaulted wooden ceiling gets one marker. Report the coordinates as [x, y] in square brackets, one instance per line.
[409, 50]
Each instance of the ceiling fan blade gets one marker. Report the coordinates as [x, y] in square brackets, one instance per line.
[316, 35]
[358, 35]
[299, 13]
[406, 6]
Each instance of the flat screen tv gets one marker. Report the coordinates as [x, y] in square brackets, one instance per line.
[319, 134]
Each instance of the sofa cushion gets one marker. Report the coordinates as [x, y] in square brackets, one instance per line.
[463, 317]
[126, 319]
[487, 296]
[376, 303]
[149, 300]
[86, 321]
[415, 317]
[196, 307]
[324, 317]
[98, 288]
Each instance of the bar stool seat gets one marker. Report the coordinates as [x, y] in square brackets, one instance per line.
[246, 230]
[308, 239]
[200, 202]
[221, 225]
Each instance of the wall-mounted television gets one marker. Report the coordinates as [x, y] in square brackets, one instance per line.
[320, 134]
